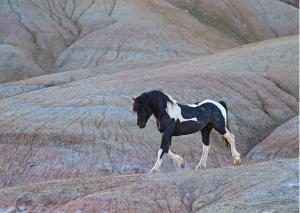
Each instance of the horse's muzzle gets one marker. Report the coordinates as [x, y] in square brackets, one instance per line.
[142, 125]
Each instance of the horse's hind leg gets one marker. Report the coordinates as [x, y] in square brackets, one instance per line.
[230, 138]
[205, 139]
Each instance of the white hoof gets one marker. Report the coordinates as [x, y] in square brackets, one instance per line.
[154, 170]
[181, 164]
[237, 160]
[200, 166]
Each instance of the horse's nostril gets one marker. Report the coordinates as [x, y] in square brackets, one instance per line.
[141, 125]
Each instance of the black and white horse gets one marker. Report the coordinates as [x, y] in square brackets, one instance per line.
[174, 119]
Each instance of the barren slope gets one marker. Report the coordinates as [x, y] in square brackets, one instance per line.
[41, 37]
[283, 142]
[86, 128]
[262, 187]
[246, 21]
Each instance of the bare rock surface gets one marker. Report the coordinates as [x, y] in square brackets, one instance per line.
[87, 128]
[18, 87]
[262, 187]
[15, 65]
[141, 31]
[292, 2]
[245, 20]
[283, 142]
[68, 70]
[260, 58]
[48, 36]
[42, 37]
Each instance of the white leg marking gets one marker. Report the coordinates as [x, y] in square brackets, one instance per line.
[157, 165]
[235, 155]
[177, 158]
[202, 163]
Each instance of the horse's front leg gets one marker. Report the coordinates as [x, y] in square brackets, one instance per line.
[158, 162]
[179, 160]
[164, 147]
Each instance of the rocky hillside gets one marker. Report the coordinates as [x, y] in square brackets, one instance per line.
[69, 70]
[42, 37]
[87, 128]
[283, 142]
[246, 21]
[263, 187]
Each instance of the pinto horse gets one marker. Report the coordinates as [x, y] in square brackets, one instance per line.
[175, 119]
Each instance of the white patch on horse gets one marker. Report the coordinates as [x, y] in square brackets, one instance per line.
[177, 158]
[158, 161]
[231, 139]
[221, 108]
[202, 163]
[171, 98]
[174, 111]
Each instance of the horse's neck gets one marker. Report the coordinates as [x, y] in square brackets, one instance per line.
[158, 110]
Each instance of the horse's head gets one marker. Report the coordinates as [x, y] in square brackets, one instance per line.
[141, 105]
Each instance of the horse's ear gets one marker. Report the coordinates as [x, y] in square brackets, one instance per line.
[134, 107]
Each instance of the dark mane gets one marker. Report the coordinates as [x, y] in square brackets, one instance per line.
[135, 106]
[157, 100]
[158, 94]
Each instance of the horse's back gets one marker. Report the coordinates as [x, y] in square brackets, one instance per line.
[215, 111]
[214, 107]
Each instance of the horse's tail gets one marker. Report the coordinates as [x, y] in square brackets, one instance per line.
[225, 106]
[227, 126]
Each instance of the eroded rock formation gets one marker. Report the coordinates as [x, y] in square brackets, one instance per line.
[269, 186]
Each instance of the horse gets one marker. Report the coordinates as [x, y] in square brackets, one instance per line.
[175, 119]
